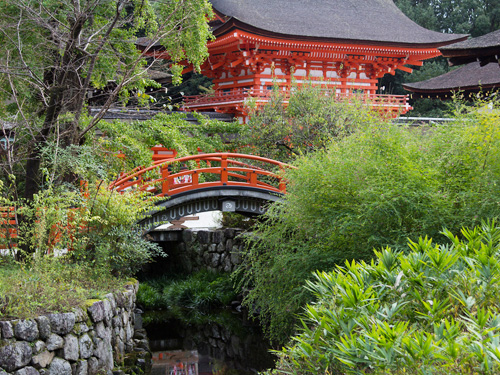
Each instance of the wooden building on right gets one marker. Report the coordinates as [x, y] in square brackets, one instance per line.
[481, 72]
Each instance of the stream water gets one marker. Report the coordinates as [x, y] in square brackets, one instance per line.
[221, 343]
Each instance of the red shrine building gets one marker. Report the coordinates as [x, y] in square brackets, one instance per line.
[342, 45]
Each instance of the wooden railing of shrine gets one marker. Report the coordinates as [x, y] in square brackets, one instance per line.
[385, 103]
[8, 228]
[168, 177]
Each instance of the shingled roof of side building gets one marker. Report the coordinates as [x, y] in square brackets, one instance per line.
[373, 22]
[470, 77]
[484, 49]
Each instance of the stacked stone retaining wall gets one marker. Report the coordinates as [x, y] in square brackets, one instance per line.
[215, 250]
[86, 341]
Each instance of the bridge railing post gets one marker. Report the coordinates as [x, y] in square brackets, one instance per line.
[223, 167]
[165, 172]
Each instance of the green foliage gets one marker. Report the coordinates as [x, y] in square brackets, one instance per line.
[96, 226]
[55, 53]
[312, 119]
[376, 188]
[433, 310]
[202, 291]
[475, 17]
[135, 139]
[236, 220]
[52, 284]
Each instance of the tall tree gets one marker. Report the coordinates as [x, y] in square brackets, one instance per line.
[53, 53]
[475, 17]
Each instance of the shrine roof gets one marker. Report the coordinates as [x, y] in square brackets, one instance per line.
[377, 22]
[484, 48]
[469, 77]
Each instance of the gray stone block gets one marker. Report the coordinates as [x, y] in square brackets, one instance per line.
[86, 346]
[96, 311]
[187, 235]
[93, 366]
[221, 247]
[204, 237]
[60, 367]
[111, 298]
[26, 330]
[43, 327]
[80, 328]
[108, 312]
[218, 236]
[82, 368]
[229, 232]
[62, 324]
[117, 321]
[71, 349]
[42, 359]
[27, 371]
[80, 314]
[7, 330]
[215, 260]
[229, 245]
[54, 342]
[15, 355]
[38, 347]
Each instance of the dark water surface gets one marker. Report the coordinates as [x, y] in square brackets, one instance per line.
[222, 343]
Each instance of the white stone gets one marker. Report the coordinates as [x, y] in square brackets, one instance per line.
[43, 359]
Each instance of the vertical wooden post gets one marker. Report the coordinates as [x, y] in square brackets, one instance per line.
[165, 187]
[223, 167]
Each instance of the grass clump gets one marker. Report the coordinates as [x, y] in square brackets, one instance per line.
[433, 310]
[203, 290]
[50, 285]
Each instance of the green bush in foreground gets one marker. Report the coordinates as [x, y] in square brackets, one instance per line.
[375, 188]
[434, 310]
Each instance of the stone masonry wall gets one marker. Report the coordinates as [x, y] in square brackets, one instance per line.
[216, 250]
[82, 342]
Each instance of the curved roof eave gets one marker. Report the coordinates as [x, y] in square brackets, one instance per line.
[468, 77]
[375, 22]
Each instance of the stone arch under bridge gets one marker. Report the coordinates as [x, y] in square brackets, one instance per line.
[248, 201]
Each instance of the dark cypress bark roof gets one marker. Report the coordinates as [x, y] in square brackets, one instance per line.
[371, 21]
[469, 77]
[484, 48]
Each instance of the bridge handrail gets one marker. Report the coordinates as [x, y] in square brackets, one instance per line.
[226, 170]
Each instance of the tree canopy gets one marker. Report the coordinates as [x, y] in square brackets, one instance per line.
[54, 53]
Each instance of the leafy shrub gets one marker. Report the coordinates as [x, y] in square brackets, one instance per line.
[96, 227]
[434, 310]
[309, 122]
[375, 188]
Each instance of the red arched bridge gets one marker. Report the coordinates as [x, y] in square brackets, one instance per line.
[207, 182]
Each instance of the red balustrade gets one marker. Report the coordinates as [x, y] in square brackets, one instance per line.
[385, 103]
[171, 176]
